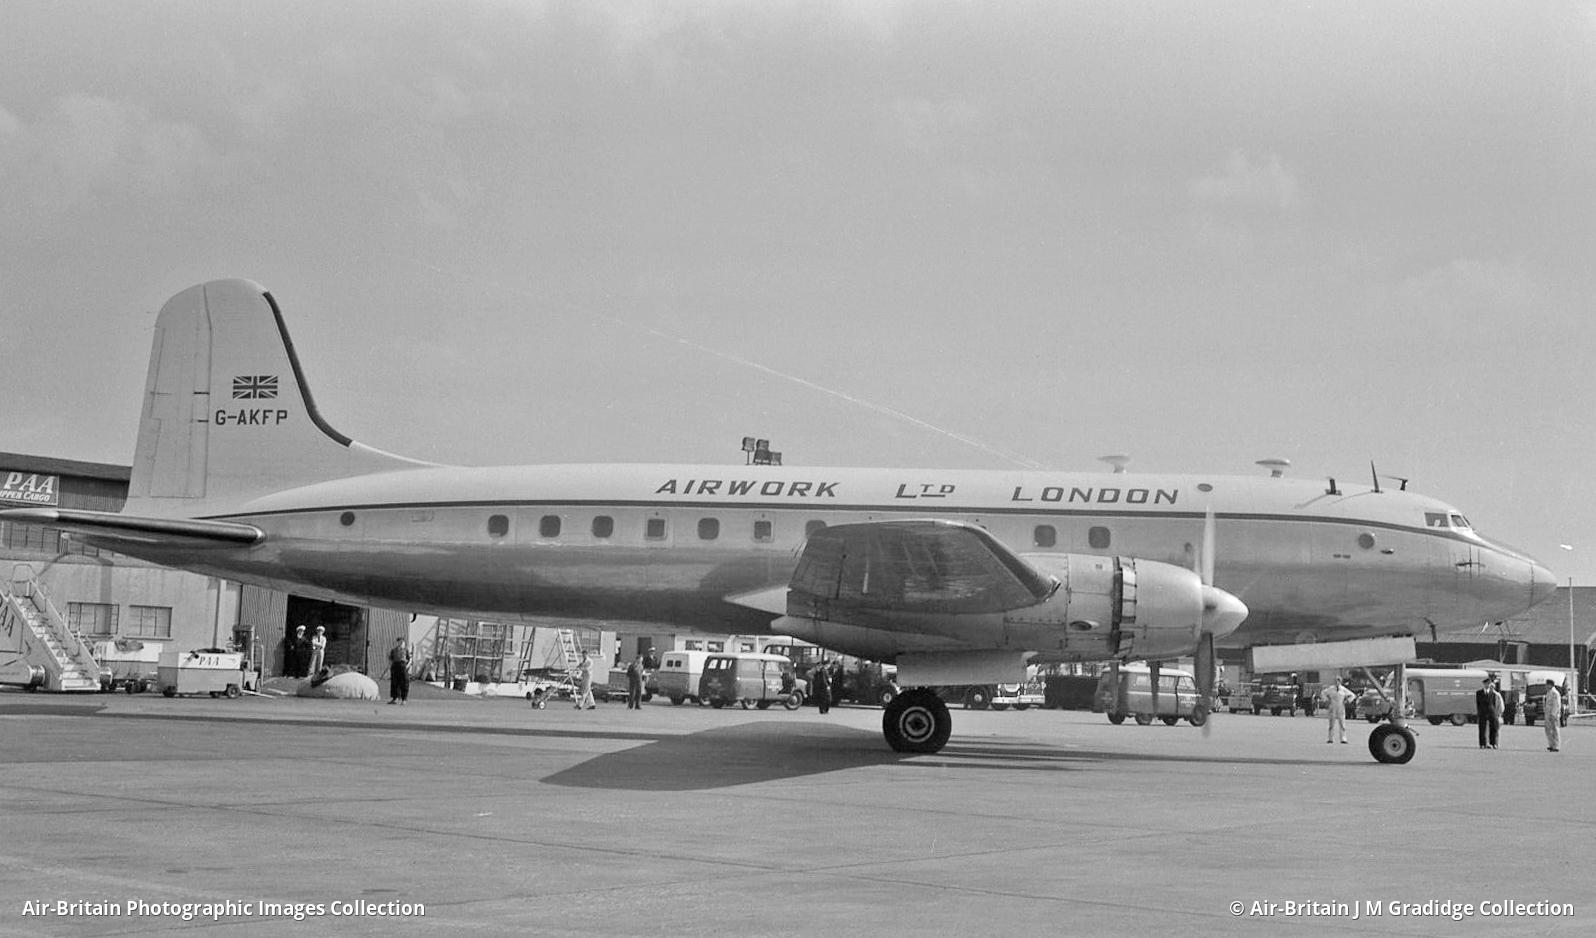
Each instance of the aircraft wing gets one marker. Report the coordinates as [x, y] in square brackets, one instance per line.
[109, 529]
[914, 567]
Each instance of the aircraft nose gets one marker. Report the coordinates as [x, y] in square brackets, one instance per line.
[1542, 584]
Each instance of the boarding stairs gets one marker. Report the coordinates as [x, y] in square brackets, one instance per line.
[39, 650]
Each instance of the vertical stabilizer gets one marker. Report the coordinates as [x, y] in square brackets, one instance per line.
[227, 414]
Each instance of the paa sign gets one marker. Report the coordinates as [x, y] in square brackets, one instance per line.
[29, 488]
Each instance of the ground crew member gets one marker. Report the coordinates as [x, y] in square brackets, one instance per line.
[1551, 713]
[1335, 705]
[1488, 713]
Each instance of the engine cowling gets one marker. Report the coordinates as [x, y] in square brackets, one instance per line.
[1120, 607]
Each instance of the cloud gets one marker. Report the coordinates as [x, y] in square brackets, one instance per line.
[1267, 186]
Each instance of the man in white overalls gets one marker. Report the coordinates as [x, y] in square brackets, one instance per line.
[1335, 706]
[1552, 715]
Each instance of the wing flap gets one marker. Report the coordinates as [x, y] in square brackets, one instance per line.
[108, 529]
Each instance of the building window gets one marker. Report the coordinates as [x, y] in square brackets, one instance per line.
[92, 618]
[708, 529]
[1044, 536]
[549, 526]
[148, 622]
[762, 531]
[29, 537]
[654, 530]
[498, 525]
[1098, 537]
[603, 526]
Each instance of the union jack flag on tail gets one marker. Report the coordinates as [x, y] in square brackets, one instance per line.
[255, 387]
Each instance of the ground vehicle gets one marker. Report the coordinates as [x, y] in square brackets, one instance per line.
[749, 679]
[1240, 699]
[1439, 695]
[1282, 693]
[129, 664]
[678, 675]
[203, 671]
[616, 686]
[1533, 705]
[1130, 693]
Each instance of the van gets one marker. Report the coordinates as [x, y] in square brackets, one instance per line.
[1133, 696]
[678, 675]
[753, 679]
[1440, 695]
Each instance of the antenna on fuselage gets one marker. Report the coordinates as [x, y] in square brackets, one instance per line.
[1118, 460]
[1277, 467]
[1332, 490]
[1375, 476]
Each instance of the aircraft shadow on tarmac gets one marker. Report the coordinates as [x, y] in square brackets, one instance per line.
[734, 755]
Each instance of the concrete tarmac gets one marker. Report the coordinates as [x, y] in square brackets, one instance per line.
[456, 815]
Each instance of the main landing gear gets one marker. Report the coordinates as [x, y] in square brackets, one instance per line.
[917, 721]
[1392, 744]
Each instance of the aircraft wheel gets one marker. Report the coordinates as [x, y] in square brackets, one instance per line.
[917, 721]
[1392, 744]
[1115, 717]
[1144, 719]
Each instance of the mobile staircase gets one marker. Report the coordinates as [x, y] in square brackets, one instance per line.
[38, 649]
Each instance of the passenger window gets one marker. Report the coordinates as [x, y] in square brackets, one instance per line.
[708, 529]
[1044, 535]
[762, 531]
[603, 526]
[1098, 538]
[498, 525]
[654, 530]
[549, 526]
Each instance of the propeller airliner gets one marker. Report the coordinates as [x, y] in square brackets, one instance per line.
[960, 577]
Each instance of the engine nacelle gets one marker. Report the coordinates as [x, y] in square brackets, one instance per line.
[1111, 607]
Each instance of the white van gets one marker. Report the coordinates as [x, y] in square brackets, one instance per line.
[678, 674]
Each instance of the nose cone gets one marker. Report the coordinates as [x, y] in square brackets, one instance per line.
[1542, 584]
[1222, 612]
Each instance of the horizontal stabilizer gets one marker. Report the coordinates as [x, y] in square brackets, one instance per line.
[109, 528]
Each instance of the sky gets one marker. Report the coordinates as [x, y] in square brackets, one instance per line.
[936, 234]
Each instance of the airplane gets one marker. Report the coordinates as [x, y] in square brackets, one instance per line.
[960, 577]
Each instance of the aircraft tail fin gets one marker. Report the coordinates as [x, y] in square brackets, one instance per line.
[227, 414]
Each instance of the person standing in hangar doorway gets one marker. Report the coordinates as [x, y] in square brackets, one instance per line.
[1488, 713]
[292, 644]
[301, 652]
[1551, 714]
[399, 671]
[318, 650]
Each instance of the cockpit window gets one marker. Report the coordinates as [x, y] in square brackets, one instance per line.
[1434, 519]
[1440, 519]
[1458, 521]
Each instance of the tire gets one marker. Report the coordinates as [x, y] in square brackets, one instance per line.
[998, 706]
[977, 698]
[1022, 706]
[1199, 716]
[529, 695]
[1274, 711]
[169, 691]
[1392, 745]
[717, 703]
[215, 694]
[792, 701]
[1434, 721]
[232, 692]
[763, 705]
[677, 701]
[1170, 721]
[1459, 719]
[1116, 717]
[917, 722]
[129, 686]
[886, 697]
[1144, 719]
[647, 696]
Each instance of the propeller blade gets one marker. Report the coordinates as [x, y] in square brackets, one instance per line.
[1205, 559]
[1205, 678]
[1152, 674]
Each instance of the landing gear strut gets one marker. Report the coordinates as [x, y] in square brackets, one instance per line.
[917, 721]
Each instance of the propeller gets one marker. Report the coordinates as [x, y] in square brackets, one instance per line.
[1222, 614]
